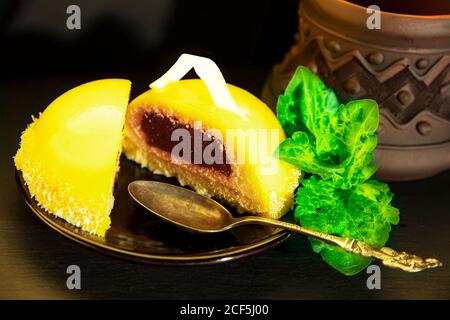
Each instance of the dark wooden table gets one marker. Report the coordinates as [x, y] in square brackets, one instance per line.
[34, 258]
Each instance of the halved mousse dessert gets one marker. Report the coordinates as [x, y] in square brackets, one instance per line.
[69, 156]
[214, 137]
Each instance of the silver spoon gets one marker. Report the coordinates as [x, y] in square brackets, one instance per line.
[192, 211]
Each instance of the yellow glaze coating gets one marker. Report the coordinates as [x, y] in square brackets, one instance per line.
[190, 100]
[69, 155]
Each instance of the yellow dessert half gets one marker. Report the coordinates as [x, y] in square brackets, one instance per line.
[69, 155]
[251, 180]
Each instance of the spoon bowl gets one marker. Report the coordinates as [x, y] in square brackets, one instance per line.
[182, 207]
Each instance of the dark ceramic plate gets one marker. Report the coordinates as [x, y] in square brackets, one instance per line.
[136, 234]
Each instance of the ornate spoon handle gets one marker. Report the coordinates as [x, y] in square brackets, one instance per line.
[389, 257]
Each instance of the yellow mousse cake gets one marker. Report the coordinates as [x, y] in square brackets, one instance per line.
[69, 155]
[215, 137]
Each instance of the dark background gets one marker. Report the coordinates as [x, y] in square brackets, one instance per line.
[139, 40]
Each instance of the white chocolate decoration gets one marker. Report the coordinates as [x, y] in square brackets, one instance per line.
[209, 72]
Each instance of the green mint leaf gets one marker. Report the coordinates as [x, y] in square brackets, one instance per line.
[340, 138]
[342, 150]
[363, 213]
[304, 102]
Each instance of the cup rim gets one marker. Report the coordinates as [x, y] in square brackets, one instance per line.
[347, 21]
[393, 14]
